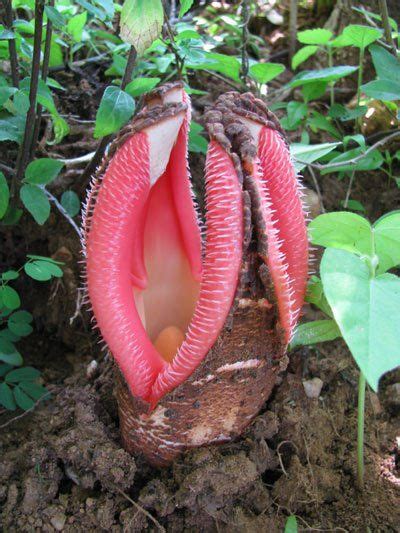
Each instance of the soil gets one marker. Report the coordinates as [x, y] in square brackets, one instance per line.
[62, 467]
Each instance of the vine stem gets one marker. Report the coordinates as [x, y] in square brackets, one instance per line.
[386, 26]
[245, 39]
[45, 71]
[98, 155]
[292, 28]
[11, 44]
[25, 148]
[360, 431]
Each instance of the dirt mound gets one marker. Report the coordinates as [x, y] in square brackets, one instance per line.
[62, 467]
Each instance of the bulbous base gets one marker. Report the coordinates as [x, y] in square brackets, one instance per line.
[218, 400]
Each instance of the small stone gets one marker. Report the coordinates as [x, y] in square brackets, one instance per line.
[58, 521]
[313, 387]
[92, 370]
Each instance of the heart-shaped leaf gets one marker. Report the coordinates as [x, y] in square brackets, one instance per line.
[367, 311]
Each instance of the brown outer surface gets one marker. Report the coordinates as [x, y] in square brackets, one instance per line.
[236, 377]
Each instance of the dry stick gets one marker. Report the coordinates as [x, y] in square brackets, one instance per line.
[11, 44]
[170, 33]
[45, 71]
[245, 38]
[140, 508]
[98, 155]
[292, 28]
[354, 160]
[9, 422]
[25, 148]
[386, 26]
[317, 189]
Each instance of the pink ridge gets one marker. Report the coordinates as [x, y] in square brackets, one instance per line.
[286, 228]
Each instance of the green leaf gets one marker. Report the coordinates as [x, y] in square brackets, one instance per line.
[42, 270]
[386, 65]
[71, 203]
[197, 143]
[75, 26]
[9, 297]
[291, 525]
[313, 91]
[358, 35]
[4, 368]
[141, 86]
[55, 16]
[229, 66]
[302, 55]
[308, 153]
[12, 128]
[42, 171]
[371, 161]
[9, 354]
[353, 205]
[188, 34]
[315, 36]
[9, 275]
[315, 295]
[22, 400]
[19, 323]
[34, 390]
[6, 397]
[344, 114]
[185, 6]
[265, 72]
[367, 311]
[141, 23]
[4, 195]
[116, 108]
[36, 202]
[296, 112]
[6, 93]
[387, 241]
[45, 259]
[26, 373]
[344, 230]
[382, 89]
[325, 74]
[315, 332]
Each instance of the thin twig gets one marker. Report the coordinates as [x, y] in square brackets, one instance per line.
[386, 26]
[77, 160]
[11, 43]
[141, 509]
[9, 422]
[62, 211]
[170, 32]
[354, 160]
[245, 39]
[98, 155]
[292, 28]
[348, 192]
[317, 189]
[25, 148]
[45, 71]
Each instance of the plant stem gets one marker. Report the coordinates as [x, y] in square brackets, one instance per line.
[45, 71]
[386, 26]
[23, 156]
[360, 431]
[11, 44]
[331, 84]
[245, 38]
[359, 83]
[98, 155]
[292, 28]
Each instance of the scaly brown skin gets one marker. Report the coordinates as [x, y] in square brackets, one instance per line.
[229, 387]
